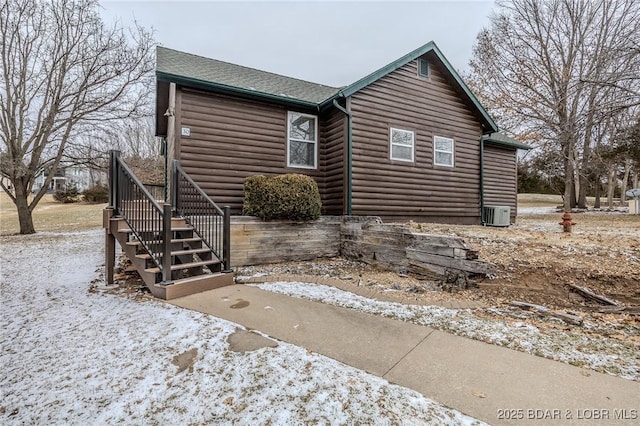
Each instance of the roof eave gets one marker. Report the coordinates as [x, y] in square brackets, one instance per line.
[222, 88]
[508, 143]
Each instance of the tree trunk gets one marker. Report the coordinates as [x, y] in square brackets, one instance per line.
[636, 177]
[625, 181]
[611, 185]
[24, 212]
[598, 188]
[568, 184]
[576, 183]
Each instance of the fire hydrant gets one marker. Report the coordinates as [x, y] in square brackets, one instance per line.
[567, 223]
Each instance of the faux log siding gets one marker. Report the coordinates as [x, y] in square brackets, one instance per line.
[418, 190]
[232, 139]
[500, 178]
[333, 138]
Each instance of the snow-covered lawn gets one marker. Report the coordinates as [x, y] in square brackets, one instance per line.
[607, 355]
[69, 356]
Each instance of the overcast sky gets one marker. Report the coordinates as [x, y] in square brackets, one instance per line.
[329, 42]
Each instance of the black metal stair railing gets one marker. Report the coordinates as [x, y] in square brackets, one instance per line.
[210, 222]
[149, 222]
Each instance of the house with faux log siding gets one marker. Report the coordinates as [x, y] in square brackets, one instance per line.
[409, 141]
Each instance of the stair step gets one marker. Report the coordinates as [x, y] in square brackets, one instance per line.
[177, 253]
[186, 265]
[173, 241]
[173, 229]
[186, 286]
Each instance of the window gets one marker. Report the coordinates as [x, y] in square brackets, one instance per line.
[443, 151]
[423, 67]
[302, 149]
[401, 142]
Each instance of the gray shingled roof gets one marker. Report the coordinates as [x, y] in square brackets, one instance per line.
[213, 72]
[502, 139]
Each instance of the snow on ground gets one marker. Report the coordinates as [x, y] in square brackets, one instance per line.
[606, 355]
[69, 356]
[537, 210]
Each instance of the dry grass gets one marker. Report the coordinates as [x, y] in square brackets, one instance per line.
[551, 200]
[51, 216]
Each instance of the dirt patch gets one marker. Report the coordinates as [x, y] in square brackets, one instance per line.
[185, 360]
[536, 262]
[127, 282]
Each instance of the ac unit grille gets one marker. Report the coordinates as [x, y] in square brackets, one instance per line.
[497, 215]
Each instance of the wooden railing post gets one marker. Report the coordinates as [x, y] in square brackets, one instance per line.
[166, 244]
[114, 203]
[175, 179]
[226, 239]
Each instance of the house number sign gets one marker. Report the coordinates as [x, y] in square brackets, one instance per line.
[185, 131]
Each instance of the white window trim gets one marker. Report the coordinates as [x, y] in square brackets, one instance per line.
[314, 142]
[428, 75]
[391, 144]
[452, 152]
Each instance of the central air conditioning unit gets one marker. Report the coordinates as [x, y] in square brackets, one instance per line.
[497, 215]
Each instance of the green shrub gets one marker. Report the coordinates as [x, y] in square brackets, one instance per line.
[290, 196]
[96, 194]
[68, 195]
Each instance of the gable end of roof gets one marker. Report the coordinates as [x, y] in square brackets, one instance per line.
[429, 47]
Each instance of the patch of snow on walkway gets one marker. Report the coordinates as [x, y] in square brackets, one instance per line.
[596, 353]
[73, 357]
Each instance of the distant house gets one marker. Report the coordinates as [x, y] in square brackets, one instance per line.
[58, 181]
[409, 141]
[81, 177]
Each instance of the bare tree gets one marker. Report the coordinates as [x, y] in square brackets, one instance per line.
[133, 137]
[63, 71]
[558, 69]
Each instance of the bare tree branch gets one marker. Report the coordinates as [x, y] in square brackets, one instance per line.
[63, 69]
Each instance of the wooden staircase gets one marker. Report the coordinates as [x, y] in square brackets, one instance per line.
[141, 226]
[194, 268]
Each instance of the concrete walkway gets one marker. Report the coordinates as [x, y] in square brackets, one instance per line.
[494, 384]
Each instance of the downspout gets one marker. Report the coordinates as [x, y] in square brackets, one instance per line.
[166, 168]
[482, 221]
[349, 155]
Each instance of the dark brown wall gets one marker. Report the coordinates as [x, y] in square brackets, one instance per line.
[333, 134]
[419, 190]
[233, 138]
[500, 178]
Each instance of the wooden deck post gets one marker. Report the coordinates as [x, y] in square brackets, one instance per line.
[109, 246]
[226, 239]
[166, 244]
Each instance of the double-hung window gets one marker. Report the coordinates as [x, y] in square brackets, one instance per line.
[443, 151]
[302, 140]
[401, 144]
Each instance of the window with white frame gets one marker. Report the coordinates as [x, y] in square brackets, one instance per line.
[423, 67]
[443, 151]
[401, 144]
[302, 140]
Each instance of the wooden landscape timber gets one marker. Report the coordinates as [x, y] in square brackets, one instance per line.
[391, 247]
[585, 292]
[397, 248]
[546, 312]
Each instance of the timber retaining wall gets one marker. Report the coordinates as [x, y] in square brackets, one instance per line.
[389, 246]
